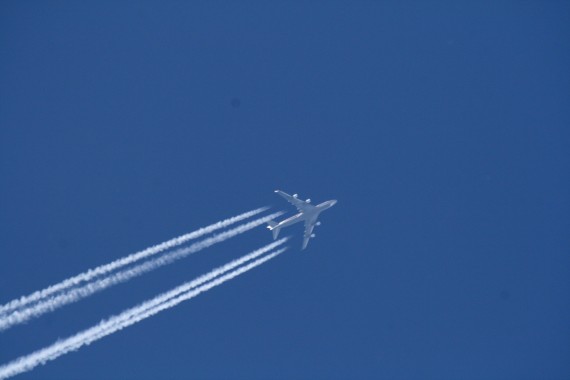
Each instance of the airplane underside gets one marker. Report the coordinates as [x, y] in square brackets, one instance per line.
[308, 213]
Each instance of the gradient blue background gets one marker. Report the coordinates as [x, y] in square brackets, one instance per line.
[441, 128]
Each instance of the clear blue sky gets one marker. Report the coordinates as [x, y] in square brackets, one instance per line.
[441, 128]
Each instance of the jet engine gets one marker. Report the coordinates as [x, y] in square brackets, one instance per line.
[318, 224]
[313, 235]
[308, 200]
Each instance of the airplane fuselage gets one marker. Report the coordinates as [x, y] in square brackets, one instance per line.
[309, 215]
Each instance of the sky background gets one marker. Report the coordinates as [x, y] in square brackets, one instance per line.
[442, 128]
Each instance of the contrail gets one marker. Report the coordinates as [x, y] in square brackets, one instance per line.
[78, 293]
[131, 316]
[179, 294]
[130, 259]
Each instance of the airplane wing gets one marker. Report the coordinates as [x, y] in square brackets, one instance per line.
[300, 204]
[309, 225]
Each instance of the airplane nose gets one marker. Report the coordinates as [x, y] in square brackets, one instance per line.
[333, 202]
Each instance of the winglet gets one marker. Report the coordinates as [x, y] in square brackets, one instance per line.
[305, 242]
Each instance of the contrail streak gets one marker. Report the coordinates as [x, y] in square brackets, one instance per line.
[130, 259]
[138, 313]
[78, 293]
[180, 294]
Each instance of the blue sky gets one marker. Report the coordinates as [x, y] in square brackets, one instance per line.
[441, 128]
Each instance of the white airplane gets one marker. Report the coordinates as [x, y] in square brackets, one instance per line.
[307, 213]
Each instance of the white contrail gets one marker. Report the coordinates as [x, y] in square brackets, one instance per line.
[130, 259]
[131, 316]
[80, 292]
[183, 292]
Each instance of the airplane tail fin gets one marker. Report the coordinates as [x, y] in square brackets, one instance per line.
[273, 228]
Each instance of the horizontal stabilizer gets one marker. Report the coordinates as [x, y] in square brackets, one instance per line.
[273, 228]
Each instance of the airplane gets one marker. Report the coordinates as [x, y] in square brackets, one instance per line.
[307, 213]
